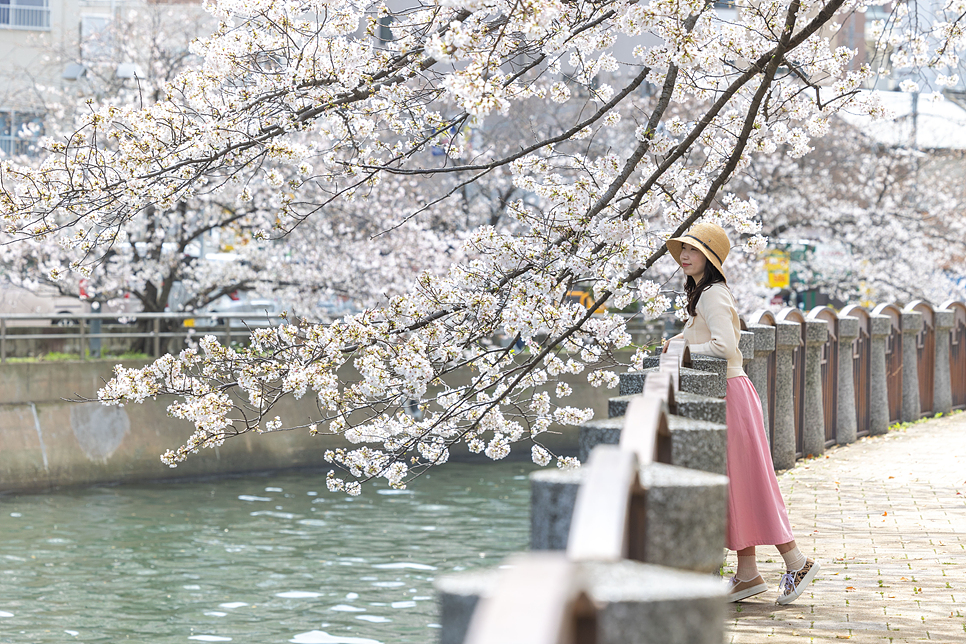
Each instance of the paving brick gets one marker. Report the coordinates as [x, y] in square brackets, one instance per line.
[886, 517]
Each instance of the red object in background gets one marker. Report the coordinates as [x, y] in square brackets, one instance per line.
[82, 288]
[234, 296]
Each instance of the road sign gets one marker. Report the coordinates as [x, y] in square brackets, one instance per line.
[778, 265]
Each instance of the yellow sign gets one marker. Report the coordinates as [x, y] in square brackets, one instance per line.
[777, 265]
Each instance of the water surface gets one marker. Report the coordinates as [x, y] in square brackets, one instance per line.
[272, 558]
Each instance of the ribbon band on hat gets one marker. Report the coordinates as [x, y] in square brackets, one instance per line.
[710, 250]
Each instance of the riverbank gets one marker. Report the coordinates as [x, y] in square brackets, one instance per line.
[46, 441]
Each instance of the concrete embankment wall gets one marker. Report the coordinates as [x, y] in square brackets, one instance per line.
[47, 441]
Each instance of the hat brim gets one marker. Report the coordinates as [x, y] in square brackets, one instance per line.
[676, 244]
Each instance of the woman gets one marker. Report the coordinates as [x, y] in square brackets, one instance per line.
[756, 512]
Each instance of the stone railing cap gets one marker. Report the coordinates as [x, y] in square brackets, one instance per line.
[682, 423]
[848, 327]
[746, 344]
[559, 476]
[788, 334]
[663, 475]
[911, 322]
[945, 319]
[764, 337]
[880, 325]
[604, 423]
[816, 331]
[632, 581]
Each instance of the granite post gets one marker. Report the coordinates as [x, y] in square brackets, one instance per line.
[911, 323]
[686, 514]
[746, 345]
[846, 423]
[942, 395]
[813, 439]
[553, 494]
[881, 327]
[758, 369]
[788, 336]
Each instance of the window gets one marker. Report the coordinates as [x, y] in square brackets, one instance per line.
[96, 37]
[25, 14]
[19, 133]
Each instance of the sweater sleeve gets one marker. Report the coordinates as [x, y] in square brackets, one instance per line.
[719, 313]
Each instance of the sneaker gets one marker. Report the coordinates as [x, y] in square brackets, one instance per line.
[744, 589]
[793, 583]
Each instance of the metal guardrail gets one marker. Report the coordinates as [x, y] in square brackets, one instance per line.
[87, 328]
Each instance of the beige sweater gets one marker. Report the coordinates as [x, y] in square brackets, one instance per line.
[715, 330]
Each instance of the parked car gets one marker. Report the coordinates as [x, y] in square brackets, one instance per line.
[332, 308]
[259, 312]
[45, 300]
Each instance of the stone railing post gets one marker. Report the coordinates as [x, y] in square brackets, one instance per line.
[846, 426]
[746, 344]
[788, 336]
[758, 369]
[813, 439]
[911, 326]
[881, 327]
[942, 395]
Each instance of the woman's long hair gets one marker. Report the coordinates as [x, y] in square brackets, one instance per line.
[694, 290]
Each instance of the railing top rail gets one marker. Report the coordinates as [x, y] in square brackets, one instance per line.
[958, 307]
[762, 317]
[790, 314]
[822, 313]
[678, 352]
[892, 310]
[828, 315]
[538, 599]
[599, 528]
[927, 310]
[856, 311]
[645, 423]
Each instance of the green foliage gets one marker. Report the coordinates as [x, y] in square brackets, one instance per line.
[906, 425]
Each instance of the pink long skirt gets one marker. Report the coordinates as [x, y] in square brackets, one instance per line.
[756, 511]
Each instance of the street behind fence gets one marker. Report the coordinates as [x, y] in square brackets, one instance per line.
[886, 517]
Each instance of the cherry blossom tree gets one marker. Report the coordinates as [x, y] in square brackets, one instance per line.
[159, 258]
[892, 214]
[661, 104]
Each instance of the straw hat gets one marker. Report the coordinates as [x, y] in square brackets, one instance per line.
[710, 239]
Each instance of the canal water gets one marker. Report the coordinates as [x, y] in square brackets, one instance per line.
[259, 559]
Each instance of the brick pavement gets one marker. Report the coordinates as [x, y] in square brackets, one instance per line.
[886, 517]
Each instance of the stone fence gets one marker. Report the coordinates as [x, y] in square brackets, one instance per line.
[623, 547]
[826, 378]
